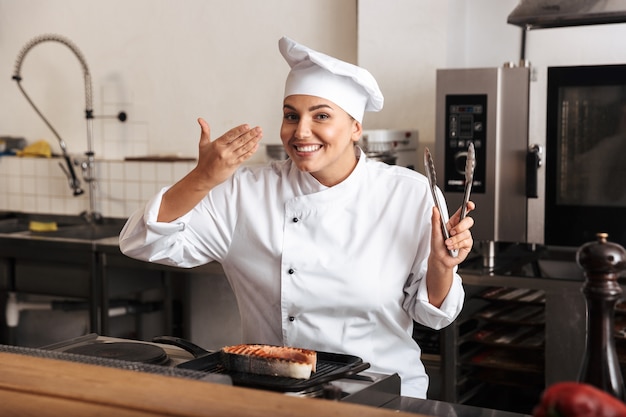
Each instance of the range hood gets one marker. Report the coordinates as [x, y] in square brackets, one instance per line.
[537, 14]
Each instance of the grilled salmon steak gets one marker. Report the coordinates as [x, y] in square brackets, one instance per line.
[283, 361]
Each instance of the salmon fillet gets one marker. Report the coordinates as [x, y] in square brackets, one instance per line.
[270, 360]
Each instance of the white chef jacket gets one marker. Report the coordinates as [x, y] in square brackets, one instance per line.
[336, 269]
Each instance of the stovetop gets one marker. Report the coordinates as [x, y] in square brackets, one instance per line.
[365, 387]
[175, 354]
[523, 260]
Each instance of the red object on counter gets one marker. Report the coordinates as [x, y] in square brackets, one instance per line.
[575, 399]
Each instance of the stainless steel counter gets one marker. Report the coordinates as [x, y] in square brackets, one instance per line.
[444, 409]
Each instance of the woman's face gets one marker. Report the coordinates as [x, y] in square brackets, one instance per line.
[319, 137]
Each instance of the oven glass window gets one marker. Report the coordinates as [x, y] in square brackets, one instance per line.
[585, 154]
[591, 169]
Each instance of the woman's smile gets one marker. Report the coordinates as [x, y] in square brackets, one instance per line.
[307, 148]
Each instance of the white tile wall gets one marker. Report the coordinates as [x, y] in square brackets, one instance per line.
[37, 185]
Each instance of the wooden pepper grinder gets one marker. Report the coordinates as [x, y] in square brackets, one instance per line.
[602, 261]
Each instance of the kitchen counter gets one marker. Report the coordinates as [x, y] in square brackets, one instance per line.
[441, 408]
[529, 264]
[50, 387]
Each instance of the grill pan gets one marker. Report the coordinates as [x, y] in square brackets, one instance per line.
[330, 366]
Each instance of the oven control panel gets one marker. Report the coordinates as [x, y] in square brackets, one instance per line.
[466, 122]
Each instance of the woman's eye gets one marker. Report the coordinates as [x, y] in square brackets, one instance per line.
[323, 116]
[290, 116]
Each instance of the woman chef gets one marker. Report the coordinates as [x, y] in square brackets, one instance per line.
[328, 250]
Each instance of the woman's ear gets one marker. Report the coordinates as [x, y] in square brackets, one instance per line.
[357, 131]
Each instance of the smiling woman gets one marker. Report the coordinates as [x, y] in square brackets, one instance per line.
[328, 250]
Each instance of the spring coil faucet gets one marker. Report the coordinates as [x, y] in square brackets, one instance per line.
[88, 166]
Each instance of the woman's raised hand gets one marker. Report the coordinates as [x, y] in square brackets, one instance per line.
[218, 159]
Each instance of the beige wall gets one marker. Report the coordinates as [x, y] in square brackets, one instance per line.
[165, 62]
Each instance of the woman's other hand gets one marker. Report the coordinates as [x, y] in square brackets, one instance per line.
[460, 237]
[460, 234]
[440, 263]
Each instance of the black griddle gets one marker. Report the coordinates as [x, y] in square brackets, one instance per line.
[329, 367]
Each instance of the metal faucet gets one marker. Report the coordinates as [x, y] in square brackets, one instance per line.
[88, 165]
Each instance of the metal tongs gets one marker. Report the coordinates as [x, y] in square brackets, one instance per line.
[470, 164]
[429, 165]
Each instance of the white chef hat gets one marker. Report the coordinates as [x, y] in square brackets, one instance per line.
[313, 73]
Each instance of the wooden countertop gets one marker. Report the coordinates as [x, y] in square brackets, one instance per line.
[33, 386]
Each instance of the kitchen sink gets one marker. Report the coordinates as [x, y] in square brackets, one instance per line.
[68, 227]
[84, 232]
[12, 226]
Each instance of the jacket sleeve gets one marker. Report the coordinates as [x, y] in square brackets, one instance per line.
[146, 239]
[422, 311]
